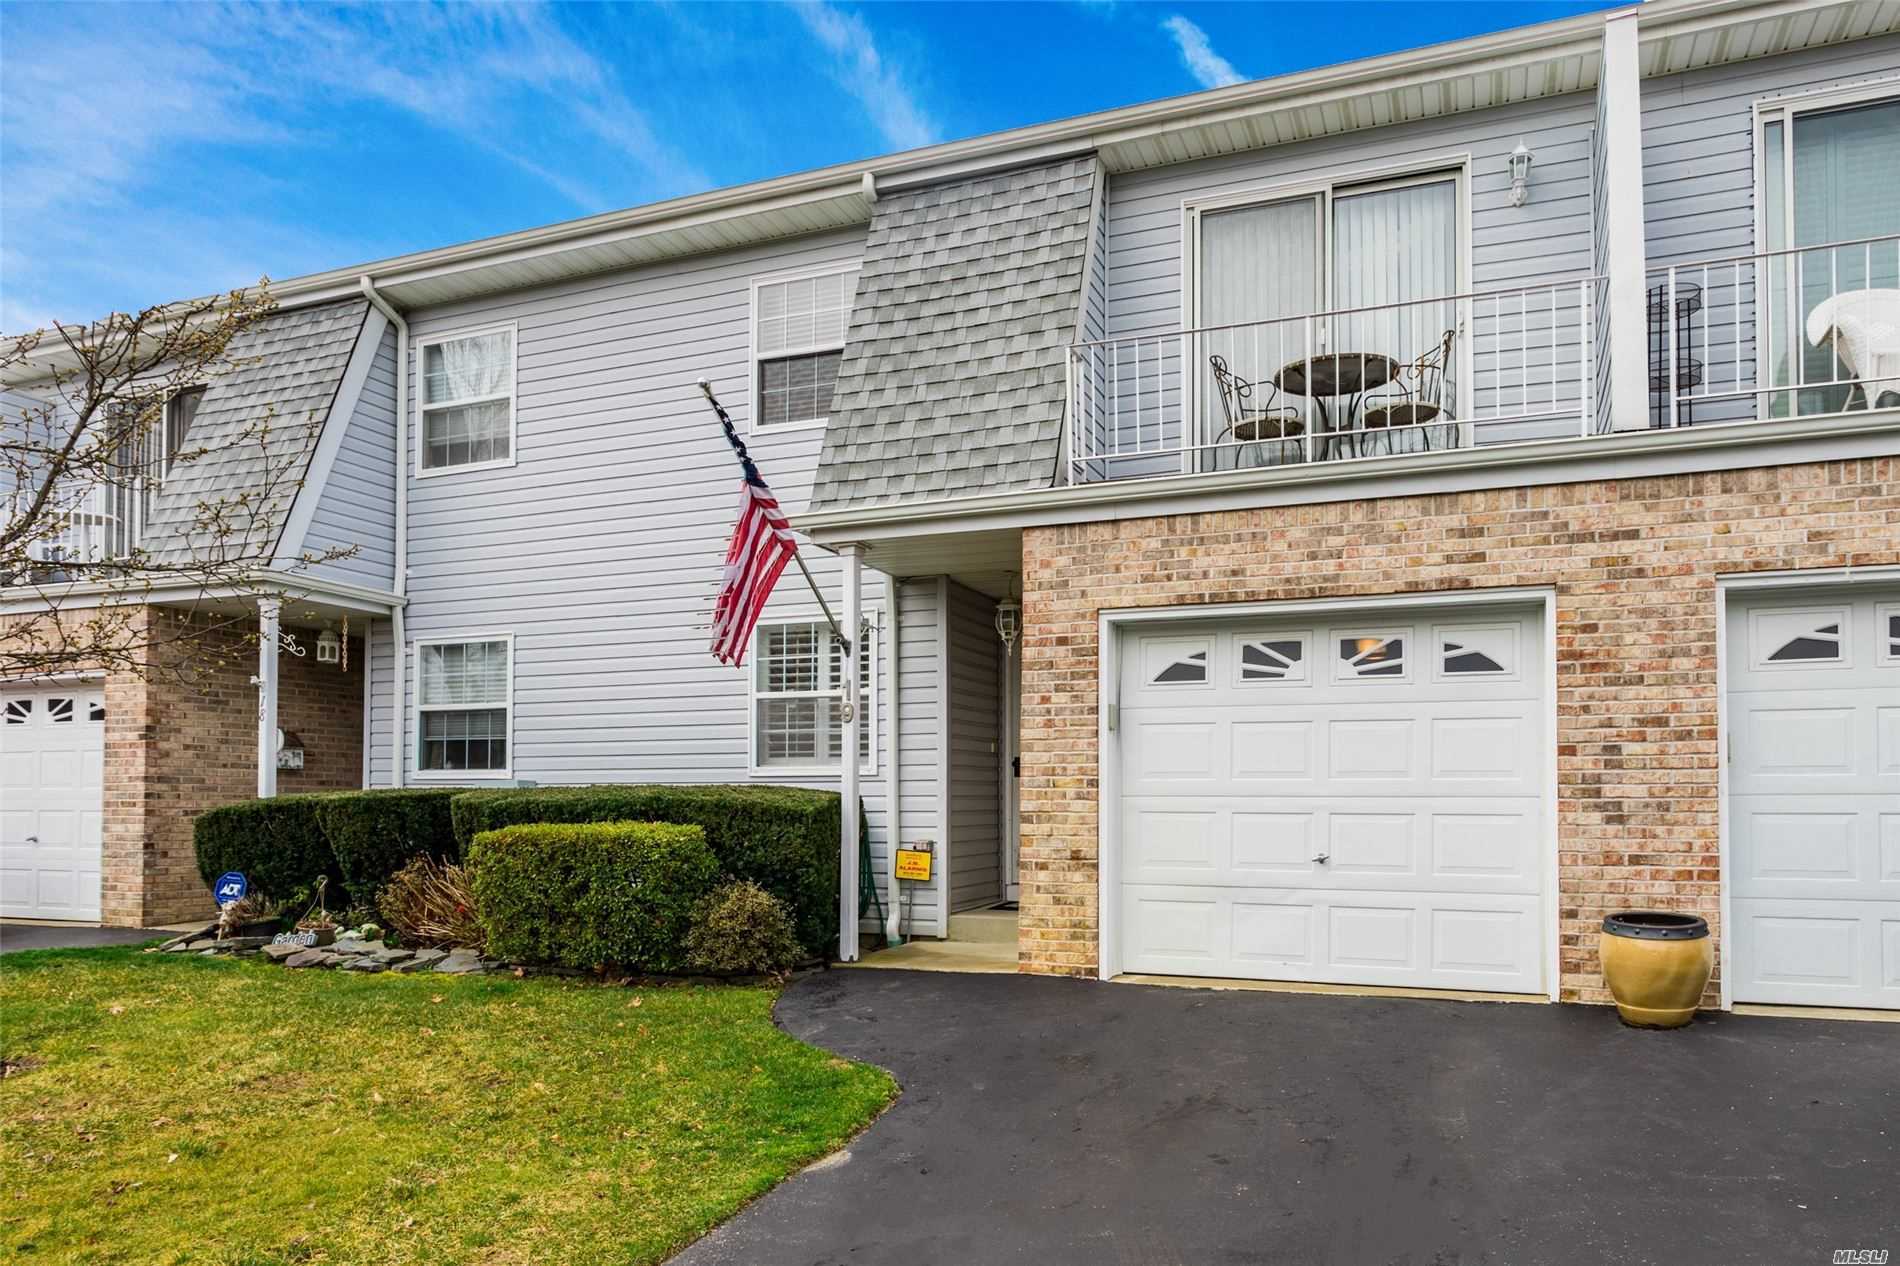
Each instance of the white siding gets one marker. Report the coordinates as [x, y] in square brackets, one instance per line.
[357, 506]
[975, 759]
[1546, 241]
[1699, 190]
[921, 701]
[600, 548]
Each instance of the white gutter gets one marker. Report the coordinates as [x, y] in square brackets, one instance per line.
[399, 643]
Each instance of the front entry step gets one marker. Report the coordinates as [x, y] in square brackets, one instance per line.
[994, 927]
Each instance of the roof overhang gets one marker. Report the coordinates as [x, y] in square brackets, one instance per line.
[304, 596]
[1522, 64]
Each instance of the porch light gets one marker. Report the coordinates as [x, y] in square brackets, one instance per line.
[329, 647]
[1521, 174]
[1009, 614]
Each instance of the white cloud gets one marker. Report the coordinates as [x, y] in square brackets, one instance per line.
[865, 74]
[108, 111]
[1208, 67]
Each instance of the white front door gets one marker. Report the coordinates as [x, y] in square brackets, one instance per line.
[1357, 798]
[52, 760]
[1814, 799]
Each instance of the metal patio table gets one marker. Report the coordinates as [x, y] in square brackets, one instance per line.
[1336, 375]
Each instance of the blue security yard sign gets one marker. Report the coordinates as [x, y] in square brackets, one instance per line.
[231, 886]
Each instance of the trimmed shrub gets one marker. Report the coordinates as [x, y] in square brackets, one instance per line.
[620, 894]
[277, 844]
[374, 834]
[741, 930]
[784, 839]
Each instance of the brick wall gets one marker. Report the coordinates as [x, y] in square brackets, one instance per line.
[1634, 563]
[183, 738]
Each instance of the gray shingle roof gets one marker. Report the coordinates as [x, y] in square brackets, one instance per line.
[259, 422]
[955, 371]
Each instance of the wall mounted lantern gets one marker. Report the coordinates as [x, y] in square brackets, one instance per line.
[1521, 158]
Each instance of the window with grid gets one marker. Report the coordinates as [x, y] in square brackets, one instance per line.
[468, 400]
[798, 681]
[798, 333]
[462, 699]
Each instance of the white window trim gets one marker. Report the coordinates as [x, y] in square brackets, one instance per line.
[873, 639]
[414, 756]
[1782, 108]
[422, 408]
[753, 359]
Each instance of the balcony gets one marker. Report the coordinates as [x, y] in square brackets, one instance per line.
[1755, 339]
[95, 525]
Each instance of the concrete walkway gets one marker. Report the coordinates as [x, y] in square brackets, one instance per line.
[16, 935]
[1057, 1121]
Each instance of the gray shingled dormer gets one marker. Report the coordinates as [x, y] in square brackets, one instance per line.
[953, 381]
[260, 423]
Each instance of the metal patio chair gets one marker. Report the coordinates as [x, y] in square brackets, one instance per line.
[1272, 429]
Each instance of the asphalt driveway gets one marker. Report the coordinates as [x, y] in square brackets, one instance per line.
[38, 936]
[1056, 1121]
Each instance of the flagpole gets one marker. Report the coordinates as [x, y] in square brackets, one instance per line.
[837, 633]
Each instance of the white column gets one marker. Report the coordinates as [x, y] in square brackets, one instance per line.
[267, 633]
[893, 655]
[1623, 227]
[369, 697]
[852, 618]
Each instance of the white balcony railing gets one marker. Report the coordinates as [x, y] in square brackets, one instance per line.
[1471, 369]
[96, 525]
[1777, 334]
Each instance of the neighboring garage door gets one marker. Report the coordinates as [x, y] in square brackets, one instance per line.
[1356, 799]
[1814, 799]
[52, 759]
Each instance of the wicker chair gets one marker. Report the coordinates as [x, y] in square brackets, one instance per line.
[1421, 392]
[1258, 426]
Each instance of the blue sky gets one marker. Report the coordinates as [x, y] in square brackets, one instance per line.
[153, 151]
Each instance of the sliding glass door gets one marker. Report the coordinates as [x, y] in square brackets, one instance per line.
[1263, 273]
[1830, 181]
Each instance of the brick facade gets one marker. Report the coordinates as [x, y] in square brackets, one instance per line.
[183, 739]
[1634, 564]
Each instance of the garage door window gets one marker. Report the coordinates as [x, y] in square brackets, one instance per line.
[1273, 659]
[1372, 655]
[1890, 644]
[18, 711]
[59, 711]
[1477, 650]
[1798, 637]
[1176, 661]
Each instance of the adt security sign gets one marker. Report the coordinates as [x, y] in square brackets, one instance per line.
[231, 886]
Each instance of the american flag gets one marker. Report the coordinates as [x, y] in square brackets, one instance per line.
[762, 544]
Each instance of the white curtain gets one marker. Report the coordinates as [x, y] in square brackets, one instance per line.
[1395, 246]
[1846, 187]
[467, 368]
[1257, 264]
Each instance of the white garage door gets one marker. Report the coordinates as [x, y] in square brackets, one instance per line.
[52, 759]
[1814, 799]
[1357, 800]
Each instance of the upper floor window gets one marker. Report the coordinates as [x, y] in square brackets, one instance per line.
[179, 412]
[798, 332]
[465, 706]
[468, 400]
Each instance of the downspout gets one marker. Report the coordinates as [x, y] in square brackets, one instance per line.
[397, 634]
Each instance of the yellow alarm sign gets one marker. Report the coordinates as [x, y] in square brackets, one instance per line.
[913, 863]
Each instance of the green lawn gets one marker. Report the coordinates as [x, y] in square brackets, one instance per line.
[169, 1109]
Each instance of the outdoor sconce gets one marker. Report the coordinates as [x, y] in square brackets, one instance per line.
[1521, 174]
[329, 647]
[1009, 616]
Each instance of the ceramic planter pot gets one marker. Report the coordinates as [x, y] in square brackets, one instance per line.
[1656, 965]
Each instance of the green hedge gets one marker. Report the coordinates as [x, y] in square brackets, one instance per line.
[277, 844]
[784, 839]
[621, 894]
[374, 834]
